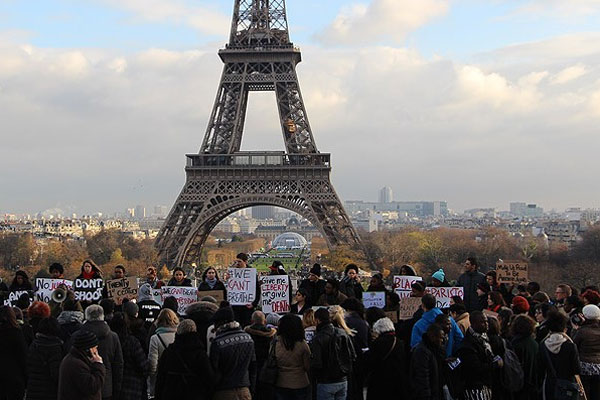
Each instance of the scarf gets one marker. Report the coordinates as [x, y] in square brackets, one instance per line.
[227, 327]
[90, 275]
[211, 282]
[483, 340]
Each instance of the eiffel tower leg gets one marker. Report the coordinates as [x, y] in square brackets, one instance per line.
[298, 137]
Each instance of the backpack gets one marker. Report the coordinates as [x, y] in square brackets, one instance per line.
[513, 377]
[340, 355]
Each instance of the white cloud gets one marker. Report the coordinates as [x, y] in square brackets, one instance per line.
[560, 8]
[569, 74]
[381, 19]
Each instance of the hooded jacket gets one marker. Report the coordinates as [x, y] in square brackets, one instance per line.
[43, 365]
[79, 378]
[455, 337]
[314, 289]
[587, 340]
[109, 348]
[559, 350]
[201, 313]
[156, 348]
[425, 371]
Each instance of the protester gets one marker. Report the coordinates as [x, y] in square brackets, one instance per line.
[109, 348]
[505, 316]
[376, 284]
[385, 362]
[56, 271]
[243, 313]
[20, 282]
[152, 279]
[541, 317]
[495, 301]
[310, 325]
[211, 281]
[587, 340]
[460, 315]
[455, 337]
[293, 360]
[477, 360]
[108, 306]
[332, 295]
[314, 285]
[482, 295]
[561, 293]
[148, 308]
[438, 279]
[166, 326]
[331, 374]
[262, 337]
[499, 389]
[233, 357]
[417, 289]
[43, 361]
[184, 370]
[426, 365]
[13, 356]
[37, 311]
[70, 319]
[559, 359]
[202, 313]
[350, 284]
[469, 280]
[82, 371]
[359, 332]
[520, 305]
[179, 278]
[89, 270]
[491, 278]
[590, 297]
[527, 350]
[407, 270]
[136, 364]
[532, 288]
[301, 303]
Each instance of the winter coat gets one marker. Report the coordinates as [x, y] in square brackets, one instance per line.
[293, 365]
[233, 357]
[541, 332]
[562, 353]
[469, 281]
[186, 282]
[137, 368]
[79, 378]
[202, 313]
[13, 362]
[299, 311]
[183, 369]
[351, 288]
[262, 337]
[477, 364]
[156, 348]
[314, 289]
[109, 348]
[320, 364]
[455, 337]
[386, 362]
[587, 340]
[205, 287]
[332, 300]
[426, 372]
[463, 322]
[138, 329]
[528, 352]
[149, 310]
[70, 322]
[43, 366]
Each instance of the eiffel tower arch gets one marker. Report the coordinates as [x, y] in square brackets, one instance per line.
[221, 179]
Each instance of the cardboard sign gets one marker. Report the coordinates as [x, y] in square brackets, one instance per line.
[124, 288]
[88, 289]
[275, 294]
[402, 284]
[219, 295]
[45, 287]
[14, 296]
[443, 295]
[184, 295]
[241, 286]
[408, 307]
[374, 299]
[512, 272]
[490, 314]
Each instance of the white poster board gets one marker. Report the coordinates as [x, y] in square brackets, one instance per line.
[402, 284]
[275, 294]
[241, 286]
[45, 287]
[444, 294]
[184, 295]
[374, 299]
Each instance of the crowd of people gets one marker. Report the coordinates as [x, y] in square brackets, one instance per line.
[496, 342]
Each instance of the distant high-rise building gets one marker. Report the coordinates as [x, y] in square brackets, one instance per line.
[161, 211]
[263, 212]
[526, 210]
[386, 195]
[140, 212]
[130, 212]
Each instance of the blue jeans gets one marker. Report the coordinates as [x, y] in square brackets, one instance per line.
[332, 391]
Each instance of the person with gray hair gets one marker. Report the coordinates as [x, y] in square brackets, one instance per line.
[386, 360]
[184, 367]
[109, 348]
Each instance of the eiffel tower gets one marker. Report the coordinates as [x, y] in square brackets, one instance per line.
[221, 179]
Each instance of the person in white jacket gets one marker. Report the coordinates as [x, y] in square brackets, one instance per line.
[166, 327]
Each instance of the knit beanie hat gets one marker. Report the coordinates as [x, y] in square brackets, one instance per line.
[186, 326]
[224, 314]
[84, 339]
[520, 304]
[131, 309]
[439, 275]
[591, 312]
[316, 270]
[276, 265]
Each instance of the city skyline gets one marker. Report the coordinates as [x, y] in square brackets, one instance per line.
[100, 100]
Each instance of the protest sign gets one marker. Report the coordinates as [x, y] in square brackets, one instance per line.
[443, 295]
[490, 314]
[88, 289]
[408, 306]
[45, 287]
[219, 295]
[512, 272]
[157, 296]
[184, 295]
[275, 294]
[241, 286]
[124, 288]
[374, 299]
[13, 296]
[402, 284]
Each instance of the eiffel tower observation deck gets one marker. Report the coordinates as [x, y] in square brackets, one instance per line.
[221, 179]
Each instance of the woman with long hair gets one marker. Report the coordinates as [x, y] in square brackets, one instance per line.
[336, 313]
[309, 323]
[495, 301]
[293, 360]
[166, 326]
[211, 281]
[13, 356]
[20, 282]
[301, 302]
[179, 278]
[89, 270]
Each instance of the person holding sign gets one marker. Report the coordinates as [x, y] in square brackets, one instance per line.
[211, 282]
[89, 270]
[57, 271]
[179, 278]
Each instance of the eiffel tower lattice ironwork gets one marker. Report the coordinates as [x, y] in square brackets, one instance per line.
[220, 178]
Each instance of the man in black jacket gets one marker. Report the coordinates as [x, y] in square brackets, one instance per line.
[314, 285]
[426, 365]
[332, 357]
[469, 281]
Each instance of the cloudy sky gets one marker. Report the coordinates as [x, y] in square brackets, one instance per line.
[477, 102]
